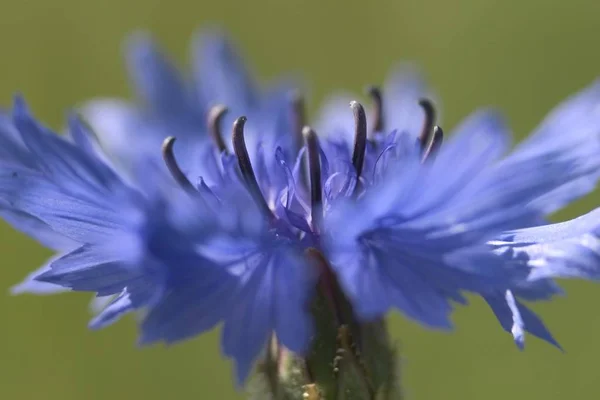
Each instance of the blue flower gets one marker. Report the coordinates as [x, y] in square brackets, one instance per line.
[249, 225]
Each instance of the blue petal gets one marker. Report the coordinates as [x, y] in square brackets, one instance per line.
[539, 290]
[82, 137]
[37, 229]
[274, 297]
[403, 89]
[515, 318]
[504, 197]
[485, 137]
[220, 73]
[69, 189]
[195, 300]
[383, 275]
[33, 286]
[79, 220]
[335, 121]
[64, 164]
[110, 314]
[570, 132]
[99, 303]
[13, 151]
[118, 125]
[274, 282]
[569, 249]
[100, 269]
[156, 80]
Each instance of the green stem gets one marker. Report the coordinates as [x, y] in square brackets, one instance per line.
[348, 360]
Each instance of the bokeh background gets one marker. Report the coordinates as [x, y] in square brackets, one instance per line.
[521, 56]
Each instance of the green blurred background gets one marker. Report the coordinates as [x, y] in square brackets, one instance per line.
[522, 56]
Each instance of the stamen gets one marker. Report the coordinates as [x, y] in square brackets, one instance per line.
[427, 131]
[241, 152]
[298, 117]
[434, 144]
[377, 99]
[298, 120]
[314, 164]
[169, 157]
[360, 138]
[215, 115]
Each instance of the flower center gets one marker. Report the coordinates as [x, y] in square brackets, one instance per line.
[429, 140]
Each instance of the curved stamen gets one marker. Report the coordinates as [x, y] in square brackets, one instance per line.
[169, 157]
[314, 166]
[215, 116]
[241, 152]
[377, 99]
[360, 138]
[427, 131]
[434, 144]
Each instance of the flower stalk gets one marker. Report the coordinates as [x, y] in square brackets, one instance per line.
[348, 360]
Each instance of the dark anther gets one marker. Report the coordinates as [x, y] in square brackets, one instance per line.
[434, 144]
[241, 152]
[298, 117]
[425, 136]
[375, 93]
[314, 166]
[215, 115]
[169, 157]
[360, 137]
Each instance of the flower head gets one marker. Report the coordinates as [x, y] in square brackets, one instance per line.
[374, 213]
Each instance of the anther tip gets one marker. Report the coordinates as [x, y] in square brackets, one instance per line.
[357, 108]
[239, 123]
[373, 91]
[217, 111]
[215, 115]
[167, 144]
[307, 132]
[426, 103]
[237, 136]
